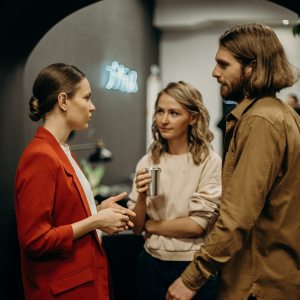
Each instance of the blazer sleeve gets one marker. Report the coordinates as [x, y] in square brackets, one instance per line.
[35, 195]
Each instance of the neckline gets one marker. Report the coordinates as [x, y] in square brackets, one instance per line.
[182, 154]
[187, 154]
[65, 147]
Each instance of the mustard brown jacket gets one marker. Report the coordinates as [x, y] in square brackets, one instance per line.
[256, 239]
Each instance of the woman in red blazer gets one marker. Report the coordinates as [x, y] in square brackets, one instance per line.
[57, 220]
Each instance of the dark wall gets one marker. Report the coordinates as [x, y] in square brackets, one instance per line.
[290, 4]
[91, 39]
[10, 136]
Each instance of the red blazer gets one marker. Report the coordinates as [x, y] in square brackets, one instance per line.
[49, 198]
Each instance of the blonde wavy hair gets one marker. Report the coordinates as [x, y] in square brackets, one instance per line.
[199, 135]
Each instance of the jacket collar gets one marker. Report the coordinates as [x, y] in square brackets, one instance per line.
[238, 111]
[231, 120]
[46, 135]
[242, 107]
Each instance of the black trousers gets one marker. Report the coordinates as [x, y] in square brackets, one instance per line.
[154, 277]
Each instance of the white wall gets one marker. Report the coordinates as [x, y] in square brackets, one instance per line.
[187, 49]
[291, 45]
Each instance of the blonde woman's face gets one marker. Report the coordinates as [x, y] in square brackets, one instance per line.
[80, 107]
[172, 119]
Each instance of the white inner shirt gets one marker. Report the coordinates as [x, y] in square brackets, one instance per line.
[84, 183]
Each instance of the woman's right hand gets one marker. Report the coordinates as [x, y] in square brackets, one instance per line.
[111, 220]
[142, 180]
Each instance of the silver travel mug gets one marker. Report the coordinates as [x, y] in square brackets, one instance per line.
[153, 185]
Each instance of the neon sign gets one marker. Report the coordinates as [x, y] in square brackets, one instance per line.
[121, 78]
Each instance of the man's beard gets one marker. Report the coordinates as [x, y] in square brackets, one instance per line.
[236, 91]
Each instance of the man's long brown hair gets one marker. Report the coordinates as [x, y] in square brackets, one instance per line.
[258, 45]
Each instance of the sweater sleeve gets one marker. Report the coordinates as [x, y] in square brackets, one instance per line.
[35, 198]
[205, 202]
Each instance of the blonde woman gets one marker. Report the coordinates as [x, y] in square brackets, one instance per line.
[176, 221]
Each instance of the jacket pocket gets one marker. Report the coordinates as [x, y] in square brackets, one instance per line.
[71, 280]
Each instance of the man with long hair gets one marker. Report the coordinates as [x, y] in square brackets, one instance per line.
[255, 242]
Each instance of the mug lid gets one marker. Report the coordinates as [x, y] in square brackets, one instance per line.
[153, 169]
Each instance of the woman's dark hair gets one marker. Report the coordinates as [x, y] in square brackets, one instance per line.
[258, 45]
[50, 82]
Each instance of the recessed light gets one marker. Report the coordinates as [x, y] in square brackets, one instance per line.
[285, 22]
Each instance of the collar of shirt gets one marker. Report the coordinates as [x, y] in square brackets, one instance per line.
[238, 111]
[231, 120]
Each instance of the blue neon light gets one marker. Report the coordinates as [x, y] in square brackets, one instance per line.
[121, 78]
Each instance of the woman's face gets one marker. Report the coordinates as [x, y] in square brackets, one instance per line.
[172, 119]
[80, 107]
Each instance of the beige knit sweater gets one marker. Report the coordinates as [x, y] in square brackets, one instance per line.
[185, 189]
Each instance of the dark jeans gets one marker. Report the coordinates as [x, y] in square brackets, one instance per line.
[154, 276]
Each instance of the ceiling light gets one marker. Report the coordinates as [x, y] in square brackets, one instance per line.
[285, 22]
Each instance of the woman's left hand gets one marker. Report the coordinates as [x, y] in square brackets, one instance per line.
[112, 203]
[150, 225]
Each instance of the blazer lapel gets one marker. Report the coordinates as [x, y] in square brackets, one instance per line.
[46, 135]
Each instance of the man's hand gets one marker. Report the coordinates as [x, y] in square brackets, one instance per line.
[178, 291]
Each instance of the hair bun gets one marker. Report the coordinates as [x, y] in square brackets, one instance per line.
[34, 111]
